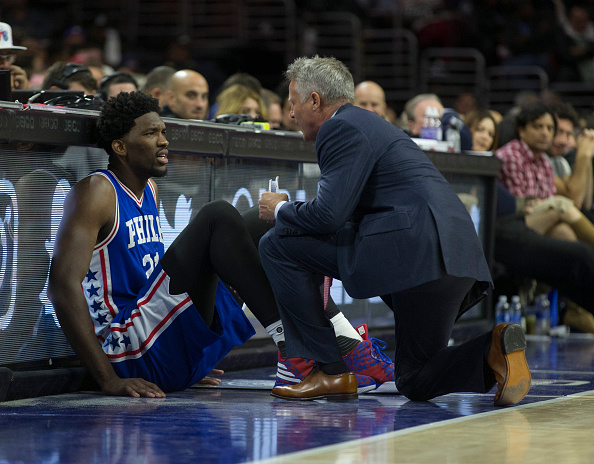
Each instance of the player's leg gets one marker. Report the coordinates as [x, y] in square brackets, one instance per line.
[361, 353]
[216, 243]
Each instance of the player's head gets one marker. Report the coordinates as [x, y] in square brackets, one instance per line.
[118, 116]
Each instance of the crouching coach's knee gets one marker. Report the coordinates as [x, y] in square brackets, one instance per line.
[411, 391]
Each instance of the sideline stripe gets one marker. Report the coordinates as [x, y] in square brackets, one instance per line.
[300, 455]
[551, 371]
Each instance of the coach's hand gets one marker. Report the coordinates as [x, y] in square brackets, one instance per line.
[268, 203]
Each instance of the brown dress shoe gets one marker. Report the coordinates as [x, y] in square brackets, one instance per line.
[317, 385]
[507, 358]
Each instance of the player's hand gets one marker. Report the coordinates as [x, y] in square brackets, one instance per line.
[19, 78]
[208, 380]
[267, 204]
[132, 387]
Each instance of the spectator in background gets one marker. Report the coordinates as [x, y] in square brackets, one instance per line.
[19, 79]
[486, 21]
[69, 76]
[464, 103]
[288, 122]
[371, 96]
[105, 38]
[507, 125]
[73, 40]
[187, 97]
[527, 174]
[157, 83]
[415, 108]
[28, 21]
[415, 111]
[440, 27]
[483, 128]
[238, 99]
[241, 78]
[575, 184]
[564, 265]
[273, 104]
[526, 38]
[115, 83]
[179, 54]
[245, 79]
[574, 43]
[98, 72]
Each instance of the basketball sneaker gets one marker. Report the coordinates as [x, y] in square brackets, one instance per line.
[290, 371]
[368, 359]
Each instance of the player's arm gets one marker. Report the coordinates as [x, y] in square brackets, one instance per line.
[88, 215]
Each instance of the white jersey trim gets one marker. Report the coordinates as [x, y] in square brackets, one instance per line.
[116, 222]
[154, 313]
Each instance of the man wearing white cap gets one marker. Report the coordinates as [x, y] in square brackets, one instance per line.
[18, 75]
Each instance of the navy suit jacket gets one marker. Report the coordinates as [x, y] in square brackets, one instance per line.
[398, 223]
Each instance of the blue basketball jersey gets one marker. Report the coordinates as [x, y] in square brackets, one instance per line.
[122, 263]
[144, 330]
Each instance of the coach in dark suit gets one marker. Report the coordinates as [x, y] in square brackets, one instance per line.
[386, 223]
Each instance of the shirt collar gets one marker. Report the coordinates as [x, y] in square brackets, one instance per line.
[531, 155]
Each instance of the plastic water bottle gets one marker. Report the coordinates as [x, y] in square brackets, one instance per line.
[453, 135]
[502, 310]
[515, 309]
[554, 301]
[431, 128]
[543, 315]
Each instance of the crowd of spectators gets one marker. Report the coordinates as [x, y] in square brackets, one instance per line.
[557, 35]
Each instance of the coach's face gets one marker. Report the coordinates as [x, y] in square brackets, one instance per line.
[305, 113]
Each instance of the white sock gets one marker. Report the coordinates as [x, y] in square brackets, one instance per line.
[276, 331]
[343, 327]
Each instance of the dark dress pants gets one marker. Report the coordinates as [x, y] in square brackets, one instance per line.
[424, 317]
[425, 367]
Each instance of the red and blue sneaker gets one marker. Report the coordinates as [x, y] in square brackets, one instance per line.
[290, 371]
[368, 359]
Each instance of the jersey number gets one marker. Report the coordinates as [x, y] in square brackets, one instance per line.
[150, 262]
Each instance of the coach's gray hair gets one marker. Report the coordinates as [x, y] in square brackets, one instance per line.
[327, 76]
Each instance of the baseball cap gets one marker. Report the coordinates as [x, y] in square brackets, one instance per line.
[6, 38]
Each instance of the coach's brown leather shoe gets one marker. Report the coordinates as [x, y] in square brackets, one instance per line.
[317, 385]
[507, 358]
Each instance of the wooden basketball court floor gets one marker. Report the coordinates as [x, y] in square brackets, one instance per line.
[240, 422]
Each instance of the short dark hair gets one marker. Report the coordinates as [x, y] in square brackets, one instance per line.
[118, 116]
[533, 112]
[61, 74]
[158, 77]
[117, 77]
[565, 111]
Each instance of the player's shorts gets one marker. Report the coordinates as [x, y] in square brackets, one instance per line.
[163, 339]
